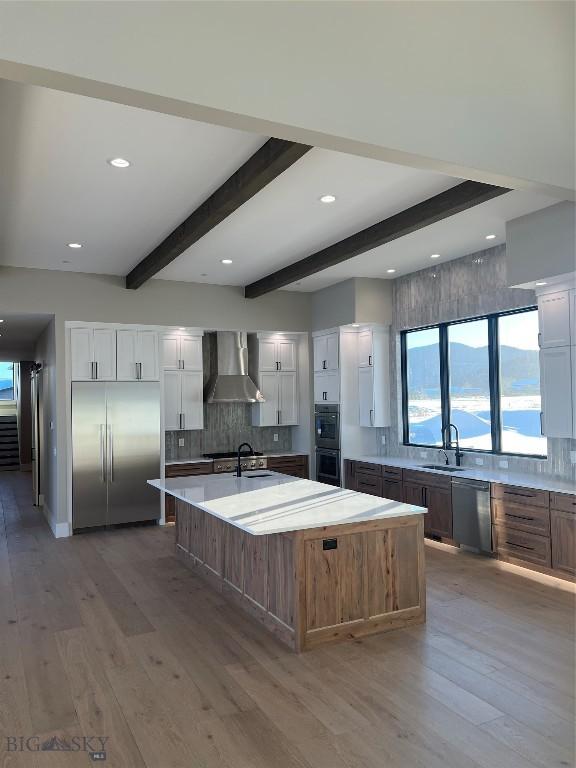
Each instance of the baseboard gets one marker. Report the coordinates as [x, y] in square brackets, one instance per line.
[60, 530]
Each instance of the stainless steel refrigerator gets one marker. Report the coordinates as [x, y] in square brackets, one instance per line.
[115, 450]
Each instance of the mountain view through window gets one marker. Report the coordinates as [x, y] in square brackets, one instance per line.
[6, 381]
[468, 402]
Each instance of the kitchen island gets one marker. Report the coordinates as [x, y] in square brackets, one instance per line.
[311, 562]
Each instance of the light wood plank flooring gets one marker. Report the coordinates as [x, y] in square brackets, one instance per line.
[107, 634]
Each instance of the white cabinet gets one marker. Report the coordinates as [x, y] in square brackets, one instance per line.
[573, 317]
[326, 352]
[181, 352]
[374, 378]
[365, 349]
[556, 387]
[554, 319]
[276, 355]
[573, 363]
[93, 354]
[183, 400]
[280, 391]
[137, 355]
[327, 387]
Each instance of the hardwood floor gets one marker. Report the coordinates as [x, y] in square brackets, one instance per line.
[107, 634]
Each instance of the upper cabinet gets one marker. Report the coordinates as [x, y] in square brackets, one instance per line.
[276, 354]
[273, 366]
[554, 319]
[93, 354]
[137, 355]
[556, 386]
[373, 378]
[181, 352]
[327, 387]
[326, 352]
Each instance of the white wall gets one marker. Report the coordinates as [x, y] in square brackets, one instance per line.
[51, 487]
[541, 245]
[477, 89]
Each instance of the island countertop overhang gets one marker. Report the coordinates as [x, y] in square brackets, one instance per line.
[264, 503]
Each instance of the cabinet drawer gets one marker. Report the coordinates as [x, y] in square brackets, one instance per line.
[565, 502]
[275, 462]
[427, 478]
[392, 473]
[393, 489]
[184, 470]
[522, 517]
[367, 483]
[369, 469]
[522, 545]
[521, 495]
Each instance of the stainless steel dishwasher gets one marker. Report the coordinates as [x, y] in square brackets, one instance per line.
[472, 524]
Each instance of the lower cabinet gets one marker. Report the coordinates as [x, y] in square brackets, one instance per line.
[350, 474]
[435, 493]
[296, 466]
[563, 534]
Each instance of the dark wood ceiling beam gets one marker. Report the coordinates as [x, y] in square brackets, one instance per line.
[272, 159]
[455, 200]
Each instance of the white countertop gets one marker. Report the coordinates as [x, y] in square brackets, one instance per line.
[524, 480]
[203, 459]
[279, 503]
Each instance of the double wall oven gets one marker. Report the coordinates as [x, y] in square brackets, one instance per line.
[327, 431]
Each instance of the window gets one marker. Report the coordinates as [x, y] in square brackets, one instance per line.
[520, 403]
[424, 404]
[6, 381]
[483, 376]
[469, 377]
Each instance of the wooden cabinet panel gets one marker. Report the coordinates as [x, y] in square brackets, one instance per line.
[281, 581]
[392, 473]
[369, 469]
[350, 474]
[213, 530]
[234, 540]
[390, 586]
[438, 521]
[197, 533]
[392, 489]
[182, 525]
[414, 494]
[427, 478]
[517, 494]
[524, 517]
[296, 466]
[255, 569]
[563, 537]
[368, 483]
[335, 585]
[169, 508]
[521, 545]
[183, 470]
[566, 502]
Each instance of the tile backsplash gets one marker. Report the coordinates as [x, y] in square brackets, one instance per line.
[473, 285]
[226, 425]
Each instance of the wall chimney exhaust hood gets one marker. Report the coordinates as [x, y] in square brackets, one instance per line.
[230, 382]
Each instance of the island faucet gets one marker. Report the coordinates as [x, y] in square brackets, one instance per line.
[239, 465]
[449, 443]
[445, 455]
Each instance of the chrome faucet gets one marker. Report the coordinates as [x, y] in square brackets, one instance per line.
[449, 444]
[239, 465]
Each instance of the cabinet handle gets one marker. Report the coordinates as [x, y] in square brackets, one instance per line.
[139, 371]
[324, 365]
[541, 422]
[324, 395]
[539, 339]
[181, 364]
[92, 371]
[521, 546]
[278, 416]
[371, 417]
[369, 359]
[96, 369]
[424, 496]
[280, 366]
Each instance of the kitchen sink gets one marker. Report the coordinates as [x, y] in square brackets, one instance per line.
[443, 467]
[259, 474]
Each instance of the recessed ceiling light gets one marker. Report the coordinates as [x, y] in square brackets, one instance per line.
[490, 237]
[541, 283]
[226, 261]
[390, 271]
[1, 321]
[74, 245]
[328, 199]
[119, 162]
[355, 325]
[434, 255]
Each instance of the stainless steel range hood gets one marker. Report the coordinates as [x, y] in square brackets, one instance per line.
[230, 382]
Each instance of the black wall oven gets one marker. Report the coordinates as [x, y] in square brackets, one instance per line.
[327, 425]
[328, 466]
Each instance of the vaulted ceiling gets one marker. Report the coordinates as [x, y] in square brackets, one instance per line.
[57, 187]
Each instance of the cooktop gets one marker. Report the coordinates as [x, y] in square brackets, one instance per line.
[232, 455]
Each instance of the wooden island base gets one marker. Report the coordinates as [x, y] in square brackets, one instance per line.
[317, 585]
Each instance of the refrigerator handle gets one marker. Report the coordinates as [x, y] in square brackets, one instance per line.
[110, 452]
[102, 454]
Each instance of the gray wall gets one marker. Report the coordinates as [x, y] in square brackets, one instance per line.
[24, 410]
[358, 300]
[51, 470]
[473, 285]
[542, 244]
